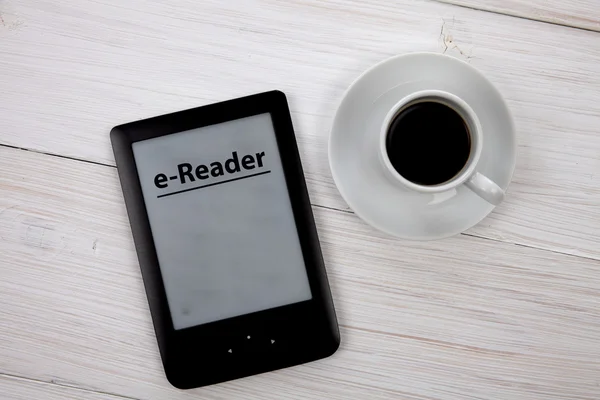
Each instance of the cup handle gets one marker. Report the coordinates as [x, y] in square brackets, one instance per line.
[485, 188]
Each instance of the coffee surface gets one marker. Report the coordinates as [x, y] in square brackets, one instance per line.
[428, 143]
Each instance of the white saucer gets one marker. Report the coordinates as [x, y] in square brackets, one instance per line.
[354, 141]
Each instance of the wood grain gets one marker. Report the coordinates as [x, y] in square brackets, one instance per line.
[71, 71]
[462, 318]
[583, 14]
[515, 317]
[13, 388]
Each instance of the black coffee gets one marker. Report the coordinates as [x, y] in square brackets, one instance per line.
[428, 143]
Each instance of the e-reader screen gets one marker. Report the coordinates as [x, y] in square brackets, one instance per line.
[221, 221]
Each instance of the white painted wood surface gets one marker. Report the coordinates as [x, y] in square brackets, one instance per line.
[584, 14]
[442, 320]
[73, 70]
[508, 311]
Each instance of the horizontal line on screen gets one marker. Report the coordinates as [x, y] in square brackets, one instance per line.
[212, 184]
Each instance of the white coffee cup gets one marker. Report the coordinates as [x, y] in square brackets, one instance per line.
[481, 185]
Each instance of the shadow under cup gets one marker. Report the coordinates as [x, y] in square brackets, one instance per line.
[428, 142]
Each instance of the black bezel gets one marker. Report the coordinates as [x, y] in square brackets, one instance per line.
[199, 355]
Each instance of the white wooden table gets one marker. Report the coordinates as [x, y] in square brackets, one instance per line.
[507, 310]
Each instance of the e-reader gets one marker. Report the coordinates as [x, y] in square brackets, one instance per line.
[226, 240]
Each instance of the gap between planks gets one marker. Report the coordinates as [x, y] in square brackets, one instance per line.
[508, 14]
[63, 385]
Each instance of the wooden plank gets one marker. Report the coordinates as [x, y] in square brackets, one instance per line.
[461, 318]
[71, 71]
[13, 388]
[583, 14]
